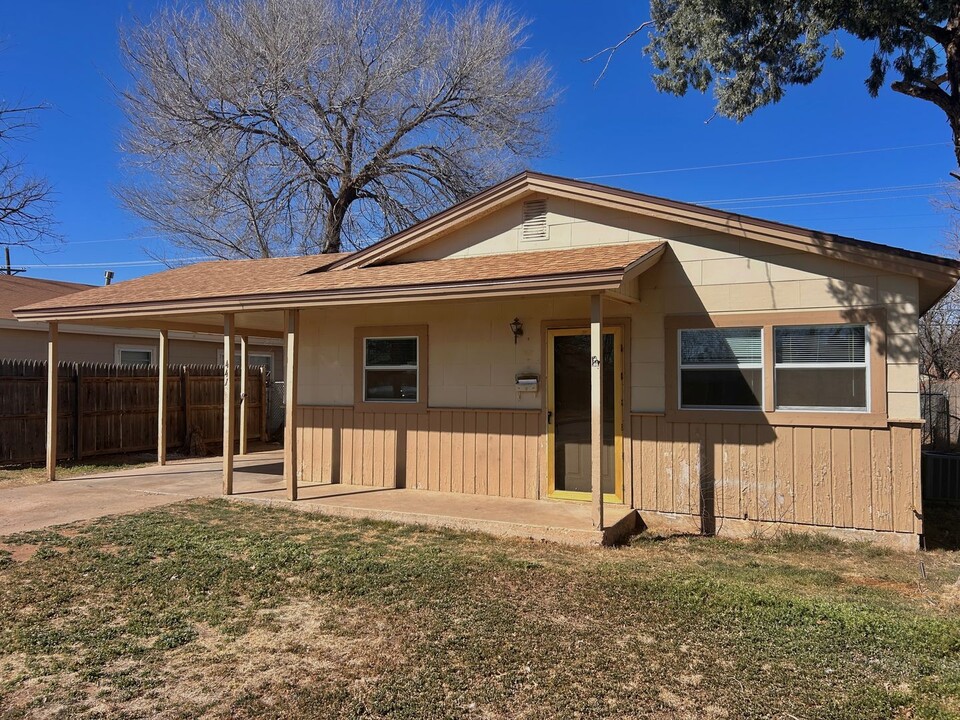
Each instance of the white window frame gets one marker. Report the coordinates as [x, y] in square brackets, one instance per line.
[118, 351]
[816, 366]
[721, 366]
[364, 369]
[250, 356]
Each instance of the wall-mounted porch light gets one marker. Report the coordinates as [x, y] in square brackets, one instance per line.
[516, 327]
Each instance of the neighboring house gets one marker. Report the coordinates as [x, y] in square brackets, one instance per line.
[122, 346]
[735, 375]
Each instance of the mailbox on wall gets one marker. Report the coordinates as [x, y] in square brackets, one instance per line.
[528, 382]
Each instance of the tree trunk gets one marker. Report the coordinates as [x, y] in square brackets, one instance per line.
[336, 214]
[952, 63]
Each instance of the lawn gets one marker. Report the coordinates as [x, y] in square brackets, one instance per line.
[15, 476]
[226, 610]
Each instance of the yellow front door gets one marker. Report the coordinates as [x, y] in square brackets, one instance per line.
[568, 414]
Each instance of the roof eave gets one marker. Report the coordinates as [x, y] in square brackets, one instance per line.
[596, 281]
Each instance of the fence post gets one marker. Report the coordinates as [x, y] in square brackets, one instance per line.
[77, 412]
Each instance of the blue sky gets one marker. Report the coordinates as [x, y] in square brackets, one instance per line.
[64, 53]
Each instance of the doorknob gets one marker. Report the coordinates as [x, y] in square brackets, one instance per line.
[549, 417]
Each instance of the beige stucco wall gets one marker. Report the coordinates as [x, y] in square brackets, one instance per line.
[473, 359]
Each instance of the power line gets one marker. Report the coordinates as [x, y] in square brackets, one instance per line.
[126, 263]
[828, 193]
[897, 227]
[108, 240]
[826, 202]
[764, 162]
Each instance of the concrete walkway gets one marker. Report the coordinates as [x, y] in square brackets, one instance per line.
[31, 507]
[258, 478]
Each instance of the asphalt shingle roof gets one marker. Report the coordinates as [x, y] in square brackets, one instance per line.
[250, 278]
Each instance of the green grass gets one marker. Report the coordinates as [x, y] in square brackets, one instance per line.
[218, 609]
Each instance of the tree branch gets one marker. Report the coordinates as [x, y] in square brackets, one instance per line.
[611, 51]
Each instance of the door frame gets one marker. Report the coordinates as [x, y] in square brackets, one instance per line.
[618, 327]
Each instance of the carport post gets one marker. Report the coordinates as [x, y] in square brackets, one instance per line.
[53, 391]
[244, 405]
[596, 407]
[228, 414]
[290, 352]
[162, 398]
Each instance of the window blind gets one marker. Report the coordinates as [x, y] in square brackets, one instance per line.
[821, 344]
[721, 346]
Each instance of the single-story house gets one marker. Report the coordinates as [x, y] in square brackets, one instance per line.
[562, 341]
[109, 344]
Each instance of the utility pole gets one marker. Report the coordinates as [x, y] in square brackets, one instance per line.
[9, 269]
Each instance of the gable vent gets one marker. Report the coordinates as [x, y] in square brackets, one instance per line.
[534, 220]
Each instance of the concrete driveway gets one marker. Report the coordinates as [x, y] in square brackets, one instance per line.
[126, 491]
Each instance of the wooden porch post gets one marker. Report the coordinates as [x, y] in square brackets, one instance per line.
[290, 353]
[244, 405]
[596, 406]
[162, 398]
[228, 413]
[53, 391]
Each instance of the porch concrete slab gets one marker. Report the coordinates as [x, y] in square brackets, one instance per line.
[258, 478]
[554, 521]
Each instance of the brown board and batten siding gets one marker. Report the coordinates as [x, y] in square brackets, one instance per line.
[856, 478]
[747, 476]
[483, 452]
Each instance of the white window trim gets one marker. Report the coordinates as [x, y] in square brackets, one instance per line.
[390, 367]
[119, 349]
[865, 365]
[721, 366]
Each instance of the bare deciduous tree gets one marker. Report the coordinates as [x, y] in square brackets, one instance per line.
[939, 337]
[265, 127]
[25, 199]
[939, 331]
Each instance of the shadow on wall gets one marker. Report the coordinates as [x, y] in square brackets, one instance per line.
[712, 441]
[804, 494]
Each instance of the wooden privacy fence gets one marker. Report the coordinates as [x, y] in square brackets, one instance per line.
[111, 409]
[940, 475]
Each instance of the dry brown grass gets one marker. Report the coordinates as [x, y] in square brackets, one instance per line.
[18, 476]
[213, 609]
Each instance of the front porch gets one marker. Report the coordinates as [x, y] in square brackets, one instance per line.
[258, 478]
[568, 523]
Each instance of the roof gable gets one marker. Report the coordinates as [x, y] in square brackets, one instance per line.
[529, 184]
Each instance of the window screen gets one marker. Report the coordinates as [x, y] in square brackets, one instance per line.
[136, 357]
[263, 360]
[390, 369]
[721, 368]
[821, 367]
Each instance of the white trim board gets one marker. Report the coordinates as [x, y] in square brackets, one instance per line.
[129, 332]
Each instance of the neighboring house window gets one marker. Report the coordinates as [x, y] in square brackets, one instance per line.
[721, 368]
[133, 355]
[253, 359]
[391, 370]
[821, 367]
